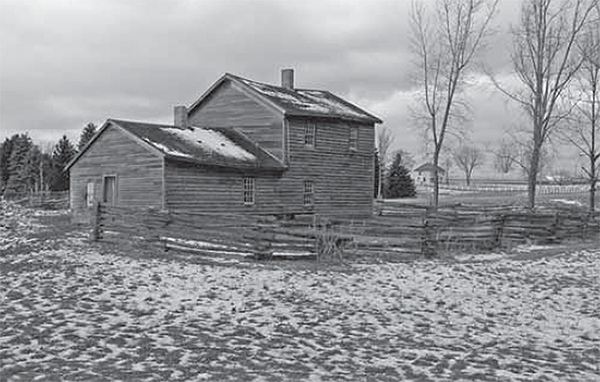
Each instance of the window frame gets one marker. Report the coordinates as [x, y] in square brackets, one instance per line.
[249, 191]
[115, 190]
[353, 138]
[308, 193]
[310, 131]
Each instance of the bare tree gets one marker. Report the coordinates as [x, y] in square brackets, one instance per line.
[448, 164]
[523, 158]
[583, 130]
[545, 61]
[467, 158]
[504, 156]
[445, 41]
[384, 141]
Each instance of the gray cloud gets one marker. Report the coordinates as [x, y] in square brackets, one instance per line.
[67, 63]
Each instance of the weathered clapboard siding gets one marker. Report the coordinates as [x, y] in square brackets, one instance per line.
[158, 173]
[228, 106]
[202, 189]
[343, 179]
[138, 171]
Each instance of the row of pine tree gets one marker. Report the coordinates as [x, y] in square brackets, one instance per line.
[26, 168]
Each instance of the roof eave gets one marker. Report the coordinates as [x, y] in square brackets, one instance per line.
[370, 120]
[94, 138]
[238, 167]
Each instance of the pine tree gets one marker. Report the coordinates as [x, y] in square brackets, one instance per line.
[16, 180]
[86, 135]
[5, 152]
[399, 183]
[30, 170]
[63, 152]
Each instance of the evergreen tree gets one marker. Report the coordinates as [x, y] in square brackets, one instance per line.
[399, 183]
[63, 152]
[16, 181]
[86, 135]
[29, 172]
[5, 152]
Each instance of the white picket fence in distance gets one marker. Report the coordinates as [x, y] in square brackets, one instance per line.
[542, 189]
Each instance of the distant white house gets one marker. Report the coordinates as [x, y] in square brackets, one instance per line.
[424, 174]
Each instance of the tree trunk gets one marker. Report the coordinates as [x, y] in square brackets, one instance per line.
[380, 185]
[533, 173]
[436, 184]
[593, 181]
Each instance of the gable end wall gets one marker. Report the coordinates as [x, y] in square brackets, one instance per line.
[228, 106]
[139, 173]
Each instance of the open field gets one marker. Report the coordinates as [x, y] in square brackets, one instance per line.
[577, 200]
[77, 311]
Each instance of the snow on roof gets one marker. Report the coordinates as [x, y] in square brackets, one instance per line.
[166, 149]
[304, 101]
[210, 146]
[428, 167]
[211, 140]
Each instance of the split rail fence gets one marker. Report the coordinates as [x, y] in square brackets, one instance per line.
[259, 237]
[395, 231]
[49, 200]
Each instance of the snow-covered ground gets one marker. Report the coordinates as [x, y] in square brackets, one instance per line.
[71, 310]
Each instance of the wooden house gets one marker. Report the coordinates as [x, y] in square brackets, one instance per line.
[242, 147]
[424, 175]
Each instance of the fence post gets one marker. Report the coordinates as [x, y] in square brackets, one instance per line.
[95, 236]
[429, 242]
[263, 249]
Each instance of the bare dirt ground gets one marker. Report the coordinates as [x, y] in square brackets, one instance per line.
[76, 311]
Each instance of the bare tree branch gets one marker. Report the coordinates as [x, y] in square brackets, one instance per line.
[445, 40]
[467, 158]
[545, 60]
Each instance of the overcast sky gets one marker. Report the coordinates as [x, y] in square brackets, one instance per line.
[67, 63]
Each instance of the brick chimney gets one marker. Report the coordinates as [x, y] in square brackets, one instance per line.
[180, 113]
[287, 78]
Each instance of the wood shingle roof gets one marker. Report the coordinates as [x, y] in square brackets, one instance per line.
[220, 147]
[297, 102]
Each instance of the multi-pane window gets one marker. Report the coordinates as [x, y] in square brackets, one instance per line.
[309, 193]
[248, 190]
[353, 139]
[310, 132]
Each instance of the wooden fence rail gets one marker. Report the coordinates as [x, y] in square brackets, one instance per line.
[401, 230]
[209, 234]
[50, 200]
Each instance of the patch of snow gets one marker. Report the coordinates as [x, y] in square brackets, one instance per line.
[333, 105]
[526, 248]
[480, 257]
[167, 150]
[211, 140]
[569, 202]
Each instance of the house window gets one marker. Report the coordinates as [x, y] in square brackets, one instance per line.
[309, 193]
[90, 194]
[249, 191]
[310, 132]
[109, 190]
[353, 140]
